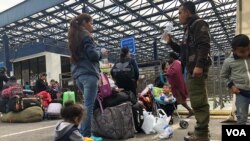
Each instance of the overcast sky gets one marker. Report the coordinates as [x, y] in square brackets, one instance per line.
[6, 4]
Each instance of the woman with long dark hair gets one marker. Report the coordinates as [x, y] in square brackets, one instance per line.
[85, 66]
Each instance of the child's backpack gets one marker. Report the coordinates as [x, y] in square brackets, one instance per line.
[69, 96]
[123, 70]
[12, 91]
[104, 89]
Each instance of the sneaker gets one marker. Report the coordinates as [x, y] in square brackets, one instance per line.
[95, 138]
[88, 139]
[196, 138]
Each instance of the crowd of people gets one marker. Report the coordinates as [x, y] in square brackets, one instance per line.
[185, 74]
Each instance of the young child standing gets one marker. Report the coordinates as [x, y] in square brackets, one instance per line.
[67, 130]
[235, 72]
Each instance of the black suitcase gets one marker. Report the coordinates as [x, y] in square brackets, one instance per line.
[137, 110]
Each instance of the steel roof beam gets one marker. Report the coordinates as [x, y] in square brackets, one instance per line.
[220, 20]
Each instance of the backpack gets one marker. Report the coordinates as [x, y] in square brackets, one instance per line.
[122, 70]
[12, 91]
[46, 98]
[66, 136]
[104, 89]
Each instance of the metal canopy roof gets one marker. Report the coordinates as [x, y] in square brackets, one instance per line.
[117, 19]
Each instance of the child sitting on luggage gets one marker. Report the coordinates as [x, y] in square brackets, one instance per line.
[67, 130]
[166, 100]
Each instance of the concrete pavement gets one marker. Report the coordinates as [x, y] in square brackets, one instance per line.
[43, 131]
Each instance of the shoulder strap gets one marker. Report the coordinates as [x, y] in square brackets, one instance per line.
[194, 23]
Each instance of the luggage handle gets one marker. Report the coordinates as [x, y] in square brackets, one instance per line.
[100, 104]
[159, 111]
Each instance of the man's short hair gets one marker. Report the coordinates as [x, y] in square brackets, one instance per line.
[190, 6]
[240, 40]
[42, 74]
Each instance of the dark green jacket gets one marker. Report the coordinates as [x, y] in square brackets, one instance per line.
[195, 47]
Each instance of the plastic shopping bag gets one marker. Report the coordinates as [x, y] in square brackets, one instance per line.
[162, 121]
[149, 123]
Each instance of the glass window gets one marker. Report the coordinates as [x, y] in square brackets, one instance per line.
[18, 70]
[28, 70]
[33, 71]
[65, 64]
[41, 64]
[25, 71]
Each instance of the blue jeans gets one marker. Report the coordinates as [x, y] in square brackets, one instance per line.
[88, 85]
[242, 106]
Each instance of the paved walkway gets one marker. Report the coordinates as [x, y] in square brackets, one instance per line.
[43, 131]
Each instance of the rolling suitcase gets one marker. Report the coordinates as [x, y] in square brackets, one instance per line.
[54, 111]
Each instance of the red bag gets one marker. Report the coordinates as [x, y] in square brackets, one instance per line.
[12, 91]
[46, 98]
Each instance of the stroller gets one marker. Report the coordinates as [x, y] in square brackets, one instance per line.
[150, 99]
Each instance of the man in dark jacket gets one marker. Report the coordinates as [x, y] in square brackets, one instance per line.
[41, 83]
[195, 50]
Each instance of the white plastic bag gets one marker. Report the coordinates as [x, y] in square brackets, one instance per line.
[168, 133]
[167, 30]
[162, 121]
[149, 122]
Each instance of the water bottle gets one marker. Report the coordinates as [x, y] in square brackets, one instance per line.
[167, 30]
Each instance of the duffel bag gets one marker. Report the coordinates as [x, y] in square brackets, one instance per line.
[114, 123]
[31, 114]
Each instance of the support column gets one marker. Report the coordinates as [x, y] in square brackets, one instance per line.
[53, 66]
[243, 16]
[6, 53]
[155, 49]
